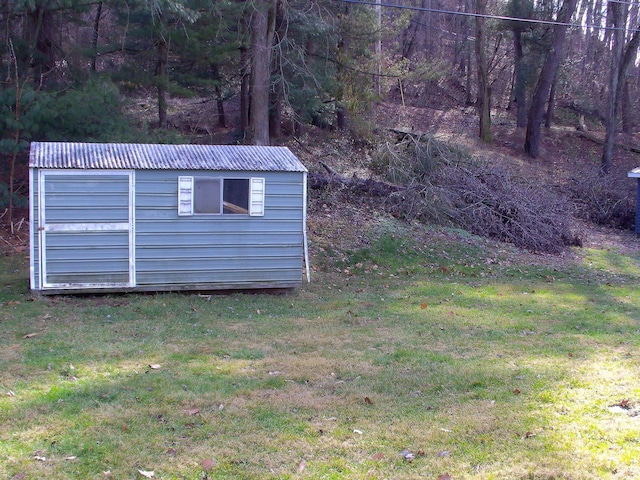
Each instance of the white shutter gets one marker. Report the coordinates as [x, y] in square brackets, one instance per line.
[256, 197]
[185, 195]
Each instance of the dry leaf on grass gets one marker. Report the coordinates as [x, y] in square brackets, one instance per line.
[207, 464]
[192, 411]
[444, 476]
[148, 474]
[154, 366]
[30, 335]
[301, 466]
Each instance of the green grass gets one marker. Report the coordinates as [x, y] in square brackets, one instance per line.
[482, 365]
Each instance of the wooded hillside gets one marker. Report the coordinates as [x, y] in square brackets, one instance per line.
[269, 69]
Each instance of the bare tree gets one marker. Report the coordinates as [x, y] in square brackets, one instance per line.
[484, 93]
[621, 58]
[546, 78]
[262, 34]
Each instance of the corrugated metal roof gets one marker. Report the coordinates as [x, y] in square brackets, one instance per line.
[133, 156]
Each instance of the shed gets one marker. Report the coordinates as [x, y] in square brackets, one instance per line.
[635, 173]
[108, 217]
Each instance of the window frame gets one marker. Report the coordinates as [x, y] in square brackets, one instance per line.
[255, 196]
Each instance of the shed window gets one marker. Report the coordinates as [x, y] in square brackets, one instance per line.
[216, 196]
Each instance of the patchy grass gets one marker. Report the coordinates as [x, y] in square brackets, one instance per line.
[480, 365]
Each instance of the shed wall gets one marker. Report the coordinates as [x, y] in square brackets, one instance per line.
[221, 251]
[204, 251]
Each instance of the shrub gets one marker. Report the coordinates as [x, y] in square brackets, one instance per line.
[606, 200]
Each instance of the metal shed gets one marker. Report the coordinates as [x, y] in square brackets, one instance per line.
[134, 217]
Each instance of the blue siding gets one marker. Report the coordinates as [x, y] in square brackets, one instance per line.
[171, 251]
[218, 251]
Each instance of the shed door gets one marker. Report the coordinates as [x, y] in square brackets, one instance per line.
[86, 229]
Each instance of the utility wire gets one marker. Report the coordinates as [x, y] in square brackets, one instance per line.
[488, 16]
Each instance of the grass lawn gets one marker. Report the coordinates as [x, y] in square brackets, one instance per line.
[474, 360]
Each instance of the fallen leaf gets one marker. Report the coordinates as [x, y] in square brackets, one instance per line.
[625, 403]
[516, 392]
[30, 335]
[71, 457]
[154, 366]
[40, 458]
[444, 476]
[145, 473]
[192, 411]
[359, 432]
[423, 305]
[378, 456]
[301, 466]
[207, 464]
[368, 401]
[107, 474]
[125, 428]
[172, 451]
[10, 393]
[529, 435]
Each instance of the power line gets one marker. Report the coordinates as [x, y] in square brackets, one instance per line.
[487, 16]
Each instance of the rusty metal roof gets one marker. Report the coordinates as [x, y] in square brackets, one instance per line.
[133, 156]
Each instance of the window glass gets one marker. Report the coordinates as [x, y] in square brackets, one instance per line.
[206, 195]
[236, 196]
[217, 195]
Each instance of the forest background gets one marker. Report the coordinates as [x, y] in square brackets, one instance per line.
[509, 74]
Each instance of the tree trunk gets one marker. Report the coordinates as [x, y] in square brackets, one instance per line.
[161, 81]
[622, 58]
[215, 73]
[467, 54]
[262, 31]
[94, 40]
[341, 117]
[245, 77]
[546, 78]
[551, 104]
[484, 93]
[519, 89]
[378, 49]
[626, 110]
[275, 111]
[39, 35]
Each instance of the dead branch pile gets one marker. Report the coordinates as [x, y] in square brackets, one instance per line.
[481, 199]
[604, 199]
[492, 203]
